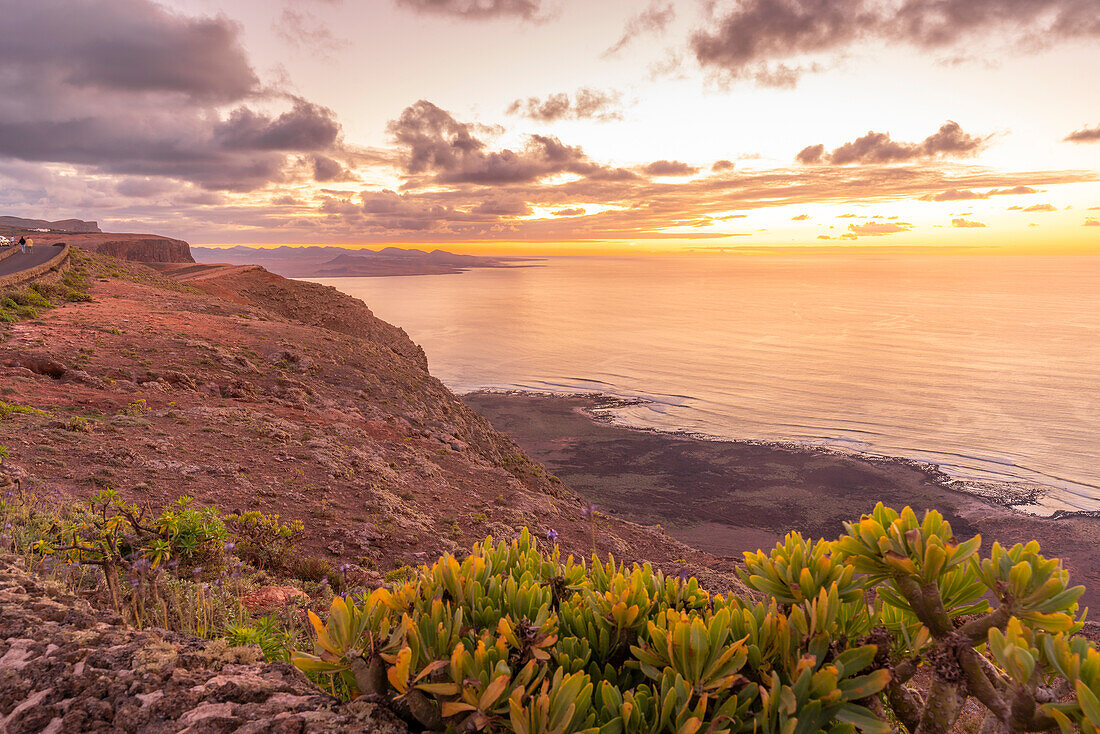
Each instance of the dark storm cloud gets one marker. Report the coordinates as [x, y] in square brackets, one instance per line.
[876, 148]
[434, 142]
[1085, 135]
[127, 87]
[757, 38]
[586, 104]
[669, 168]
[654, 19]
[478, 9]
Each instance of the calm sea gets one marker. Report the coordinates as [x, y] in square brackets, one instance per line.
[987, 366]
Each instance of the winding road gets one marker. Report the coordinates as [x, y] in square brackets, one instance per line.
[24, 260]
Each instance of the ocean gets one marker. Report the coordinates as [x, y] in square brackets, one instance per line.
[987, 366]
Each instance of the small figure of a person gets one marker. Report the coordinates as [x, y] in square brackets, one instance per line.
[23, 245]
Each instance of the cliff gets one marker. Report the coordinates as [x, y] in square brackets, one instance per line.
[148, 248]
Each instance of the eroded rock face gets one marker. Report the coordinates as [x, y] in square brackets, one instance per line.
[66, 667]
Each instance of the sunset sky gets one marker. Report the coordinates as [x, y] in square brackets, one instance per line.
[558, 125]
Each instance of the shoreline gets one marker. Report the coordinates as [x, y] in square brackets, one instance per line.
[1013, 496]
[726, 497]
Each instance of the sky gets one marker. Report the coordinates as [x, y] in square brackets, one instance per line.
[559, 126]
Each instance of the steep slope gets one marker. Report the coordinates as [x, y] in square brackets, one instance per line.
[248, 391]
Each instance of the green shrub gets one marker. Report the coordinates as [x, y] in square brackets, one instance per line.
[31, 298]
[192, 535]
[266, 632]
[262, 540]
[515, 639]
[9, 409]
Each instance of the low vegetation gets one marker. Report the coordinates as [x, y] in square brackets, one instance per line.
[29, 302]
[186, 568]
[893, 626]
[512, 638]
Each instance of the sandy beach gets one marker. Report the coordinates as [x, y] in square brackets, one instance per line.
[726, 497]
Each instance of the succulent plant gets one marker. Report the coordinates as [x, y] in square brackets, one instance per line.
[514, 638]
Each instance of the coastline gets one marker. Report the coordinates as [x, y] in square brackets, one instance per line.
[725, 497]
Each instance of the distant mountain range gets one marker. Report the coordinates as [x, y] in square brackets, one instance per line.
[331, 262]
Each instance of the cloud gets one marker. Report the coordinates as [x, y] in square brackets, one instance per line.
[478, 9]
[800, 218]
[669, 168]
[587, 104]
[654, 19]
[326, 169]
[434, 142]
[949, 140]
[503, 207]
[722, 165]
[811, 154]
[124, 46]
[1041, 208]
[770, 40]
[125, 87]
[306, 32]
[877, 229]
[966, 223]
[967, 194]
[306, 127]
[1085, 135]
[572, 212]
[1090, 222]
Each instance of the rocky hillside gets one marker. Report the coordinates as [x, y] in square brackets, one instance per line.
[67, 667]
[12, 224]
[248, 391]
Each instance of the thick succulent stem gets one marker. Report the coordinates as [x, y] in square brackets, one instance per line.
[976, 631]
[941, 710]
[370, 677]
[905, 703]
[980, 686]
[926, 603]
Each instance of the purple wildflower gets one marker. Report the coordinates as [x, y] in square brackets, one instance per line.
[552, 535]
